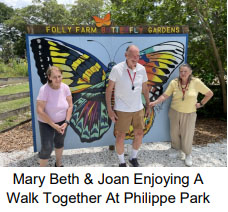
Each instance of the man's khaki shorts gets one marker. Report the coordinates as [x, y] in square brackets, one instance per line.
[125, 119]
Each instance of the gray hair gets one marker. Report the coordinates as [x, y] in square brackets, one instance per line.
[132, 45]
[49, 71]
[190, 76]
[185, 65]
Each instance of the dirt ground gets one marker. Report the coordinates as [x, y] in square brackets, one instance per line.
[207, 131]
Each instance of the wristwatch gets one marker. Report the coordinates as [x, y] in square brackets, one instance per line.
[201, 104]
[67, 122]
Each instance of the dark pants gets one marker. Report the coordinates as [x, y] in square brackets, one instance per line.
[49, 138]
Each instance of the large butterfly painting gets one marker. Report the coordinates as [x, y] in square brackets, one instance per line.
[160, 62]
[87, 78]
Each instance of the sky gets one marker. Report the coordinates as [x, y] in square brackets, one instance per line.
[24, 3]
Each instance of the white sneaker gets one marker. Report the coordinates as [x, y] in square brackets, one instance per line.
[188, 160]
[177, 154]
[174, 153]
[182, 155]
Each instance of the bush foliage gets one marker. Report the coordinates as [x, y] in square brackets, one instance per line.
[15, 68]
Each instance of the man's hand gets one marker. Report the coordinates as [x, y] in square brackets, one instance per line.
[112, 115]
[148, 111]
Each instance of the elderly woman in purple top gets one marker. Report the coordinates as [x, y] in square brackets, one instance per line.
[54, 109]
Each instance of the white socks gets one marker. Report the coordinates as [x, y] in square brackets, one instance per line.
[121, 158]
[134, 153]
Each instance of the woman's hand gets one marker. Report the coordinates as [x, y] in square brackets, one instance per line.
[198, 105]
[160, 99]
[57, 128]
[63, 128]
[152, 104]
[206, 98]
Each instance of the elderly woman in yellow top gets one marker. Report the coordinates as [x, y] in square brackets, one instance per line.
[182, 113]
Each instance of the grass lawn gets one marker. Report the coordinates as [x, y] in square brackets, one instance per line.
[14, 120]
[14, 104]
[11, 89]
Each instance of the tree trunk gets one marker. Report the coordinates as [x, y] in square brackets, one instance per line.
[221, 83]
[221, 72]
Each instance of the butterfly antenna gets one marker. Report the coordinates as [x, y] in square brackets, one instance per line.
[101, 45]
[119, 48]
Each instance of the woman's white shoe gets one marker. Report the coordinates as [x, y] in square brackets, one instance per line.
[178, 154]
[188, 160]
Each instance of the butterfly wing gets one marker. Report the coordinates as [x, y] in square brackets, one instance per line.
[90, 117]
[107, 17]
[160, 61]
[99, 21]
[86, 77]
[81, 70]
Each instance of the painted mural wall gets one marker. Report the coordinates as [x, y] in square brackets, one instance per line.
[86, 61]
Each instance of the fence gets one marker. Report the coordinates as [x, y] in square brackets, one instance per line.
[10, 97]
[12, 80]
[16, 111]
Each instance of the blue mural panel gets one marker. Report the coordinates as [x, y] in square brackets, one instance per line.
[86, 61]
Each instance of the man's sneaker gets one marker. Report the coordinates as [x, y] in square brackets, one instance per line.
[188, 160]
[134, 162]
[122, 165]
[58, 166]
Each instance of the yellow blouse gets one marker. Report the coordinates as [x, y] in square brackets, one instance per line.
[188, 105]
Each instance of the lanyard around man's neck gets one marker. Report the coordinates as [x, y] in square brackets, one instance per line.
[132, 80]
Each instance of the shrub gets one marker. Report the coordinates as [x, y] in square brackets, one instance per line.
[15, 68]
[214, 108]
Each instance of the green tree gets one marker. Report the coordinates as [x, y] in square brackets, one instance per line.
[82, 11]
[207, 21]
[207, 30]
[211, 16]
[50, 12]
[41, 12]
[131, 12]
[5, 12]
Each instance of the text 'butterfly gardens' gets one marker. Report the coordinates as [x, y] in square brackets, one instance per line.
[87, 78]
